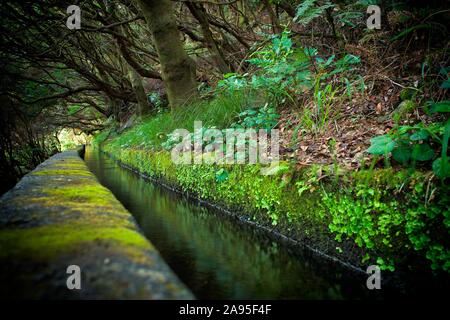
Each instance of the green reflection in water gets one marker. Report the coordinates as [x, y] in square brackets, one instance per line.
[216, 257]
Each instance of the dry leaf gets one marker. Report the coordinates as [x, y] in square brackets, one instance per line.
[379, 108]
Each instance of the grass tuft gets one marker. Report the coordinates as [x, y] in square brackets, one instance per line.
[219, 112]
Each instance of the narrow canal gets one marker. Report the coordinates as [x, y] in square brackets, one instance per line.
[216, 257]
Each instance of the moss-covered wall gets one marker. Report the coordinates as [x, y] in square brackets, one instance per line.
[59, 215]
[395, 219]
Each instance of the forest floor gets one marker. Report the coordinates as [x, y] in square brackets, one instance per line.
[395, 95]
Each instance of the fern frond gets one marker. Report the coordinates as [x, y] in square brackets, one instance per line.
[307, 11]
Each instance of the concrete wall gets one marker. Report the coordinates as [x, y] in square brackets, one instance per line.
[59, 215]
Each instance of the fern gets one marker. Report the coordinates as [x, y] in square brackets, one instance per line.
[350, 18]
[307, 11]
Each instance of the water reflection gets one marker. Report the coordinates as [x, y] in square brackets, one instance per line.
[215, 257]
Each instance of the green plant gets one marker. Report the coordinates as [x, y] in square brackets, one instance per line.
[324, 100]
[221, 175]
[285, 71]
[409, 144]
[155, 132]
[261, 118]
[156, 100]
[308, 182]
[217, 112]
[438, 107]
[329, 67]
[430, 26]
[414, 222]
[441, 165]
[171, 141]
[368, 214]
[351, 19]
[353, 217]
[282, 71]
[317, 118]
[444, 72]
[308, 11]
[101, 137]
[232, 82]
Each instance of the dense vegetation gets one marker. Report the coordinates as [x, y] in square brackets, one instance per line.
[362, 113]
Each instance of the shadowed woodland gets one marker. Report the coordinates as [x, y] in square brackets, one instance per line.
[348, 100]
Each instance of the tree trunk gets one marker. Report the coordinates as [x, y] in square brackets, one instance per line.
[143, 107]
[276, 28]
[199, 13]
[287, 7]
[178, 70]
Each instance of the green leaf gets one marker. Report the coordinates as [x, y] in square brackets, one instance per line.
[286, 42]
[330, 60]
[228, 75]
[310, 52]
[420, 135]
[402, 154]
[422, 152]
[381, 145]
[441, 169]
[411, 29]
[308, 11]
[444, 71]
[380, 139]
[221, 175]
[276, 168]
[445, 84]
[443, 106]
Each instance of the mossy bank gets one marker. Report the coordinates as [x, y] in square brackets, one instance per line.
[59, 215]
[396, 219]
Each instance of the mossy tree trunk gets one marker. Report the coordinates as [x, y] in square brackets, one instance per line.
[143, 107]
[178, 70]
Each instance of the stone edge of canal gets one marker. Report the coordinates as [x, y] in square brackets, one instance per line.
[65, 236]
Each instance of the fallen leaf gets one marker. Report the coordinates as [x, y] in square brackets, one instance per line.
[379, 108]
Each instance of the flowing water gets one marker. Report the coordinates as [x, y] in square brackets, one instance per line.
[216, 257]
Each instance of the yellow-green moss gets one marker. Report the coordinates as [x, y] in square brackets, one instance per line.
[66, 212]
[62, 171]
[93, 194]
[386, 210]
[52, 240]
[112, 215]
[72, 164]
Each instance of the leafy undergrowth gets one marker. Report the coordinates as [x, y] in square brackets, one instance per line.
[153, 131]
[393, 218]
[364, 158]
